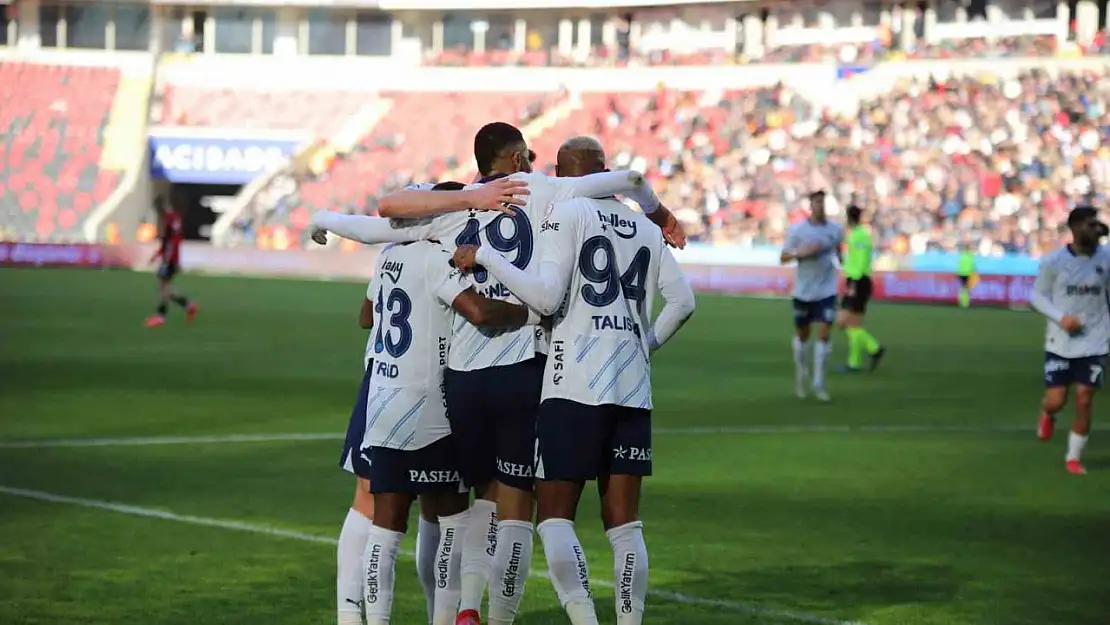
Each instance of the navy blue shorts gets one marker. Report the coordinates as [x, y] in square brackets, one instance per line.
[430, 469]
[1060, 371]
[819, 311]
[493, 418]
[576, 442]
[355, 459]
[167, 270]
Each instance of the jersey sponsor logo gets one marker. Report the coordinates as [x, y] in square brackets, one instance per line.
[514, 469]
[639, 454]
[373, 569]
[386, 369]
[495, 291]
[433, 477]
[624, 228]
[512, 572]
[616, 322]
[558, 352]
[491, 536]
[549, 226]
[1075, 290]
[1054, 365]
[627, 569]
[392, 270]
[583, 571]
[444, 559]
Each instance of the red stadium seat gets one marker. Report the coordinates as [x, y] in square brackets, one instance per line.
[54, 118]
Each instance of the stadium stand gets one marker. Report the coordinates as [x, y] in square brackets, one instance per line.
[417, 140]
[321, 113]
[53, 120]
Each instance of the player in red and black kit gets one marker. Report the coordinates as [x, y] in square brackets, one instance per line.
[170, 252]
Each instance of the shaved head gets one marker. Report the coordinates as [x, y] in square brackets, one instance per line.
[580, 156]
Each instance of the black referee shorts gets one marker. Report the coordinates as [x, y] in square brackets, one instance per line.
[857, 295]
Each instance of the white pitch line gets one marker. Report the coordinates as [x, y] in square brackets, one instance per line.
[219, 439]
[154, 513]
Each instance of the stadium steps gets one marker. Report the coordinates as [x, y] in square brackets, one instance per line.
[123, 134]
[360, 124]
[315, 156]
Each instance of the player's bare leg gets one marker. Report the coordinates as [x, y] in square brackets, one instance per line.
[1054, 400]
[427, 550]
[444, 560]
[620, 513]
[557, 503]
[391, 516]
[1080, 429]
[352, 546]
[479, 543]
[167, 294]
[513, 554]
[822, 349]
[801, 359]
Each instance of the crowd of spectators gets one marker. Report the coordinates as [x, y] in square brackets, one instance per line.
[990, 163]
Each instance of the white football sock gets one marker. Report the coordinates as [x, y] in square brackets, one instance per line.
[566, 563]
[510, 567]
[800, 354]
[821, 351]
[630, 569]
[349, 570]
[447, 574]
[1076, 443]
[478, 544]
[381, 561]
[427, 547]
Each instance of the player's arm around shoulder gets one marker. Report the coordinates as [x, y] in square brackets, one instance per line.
[451, 287]
[495, 195]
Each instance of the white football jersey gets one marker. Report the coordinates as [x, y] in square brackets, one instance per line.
[406, 408]
[602, 267]
[1077, 285]
[815, 278]
[371, 294]
[516, 238]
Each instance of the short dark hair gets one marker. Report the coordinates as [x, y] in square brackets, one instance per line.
[816, 194]
[491, 140]
[1079, 214]
[449, 185]
[854, 212]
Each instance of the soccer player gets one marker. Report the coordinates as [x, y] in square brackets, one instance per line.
[1072, 291]
[815, 245]
[494, 380]
[601, 267]
[407, 431]
[360, 516]
[857, 269]
[169, 250]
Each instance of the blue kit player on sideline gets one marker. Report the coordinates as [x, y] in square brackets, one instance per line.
[815, 245]
[1073, 291]
[600, 269]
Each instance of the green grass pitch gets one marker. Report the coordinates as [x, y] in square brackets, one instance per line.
[944, 510]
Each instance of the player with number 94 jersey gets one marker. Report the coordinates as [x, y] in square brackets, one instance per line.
[601, 267]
